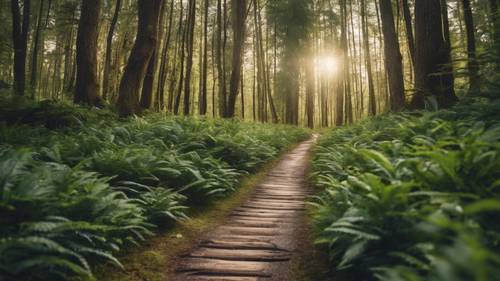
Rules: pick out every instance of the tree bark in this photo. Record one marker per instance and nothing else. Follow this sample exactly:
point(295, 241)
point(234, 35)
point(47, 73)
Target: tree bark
point(219, 61)
point(239, 19)
point(472, 64)
point(162, 76)
point(36, 50)
point(409, 30)
point(203, 91)
point(109, 43)
point(393, 59)
point(431, 56)
point(87, 85)
point(372, 105)
point(149, 80)
point(135, 71)
point(20, 30)
point(189, 63)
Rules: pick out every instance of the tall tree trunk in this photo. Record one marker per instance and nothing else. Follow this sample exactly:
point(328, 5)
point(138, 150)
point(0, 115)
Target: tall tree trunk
point(178, 50)
point(393, 59)
point(472, 64)
point(20, 30)
point(189, 63)
point(135, 71)
point(149, 80)
point(431, 56)
point(162, 76)
point(447, 66)
point(239, 18)
point(342, 83)
point(204, 72)
point(87, 85)
point(409, 30)
point(182, 52)
point(219, 58)
point(372, 105)
point(109, 43)
point(36, 50)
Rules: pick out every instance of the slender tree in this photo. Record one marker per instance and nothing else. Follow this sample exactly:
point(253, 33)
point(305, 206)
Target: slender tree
point(410, 38)
point(189, 62)
point(87, 85)
point(109, 42)
point(472, 64)
point(36, 49)
point(219, 60)
point(135, 71)
point(204, 72)
point(372, 106)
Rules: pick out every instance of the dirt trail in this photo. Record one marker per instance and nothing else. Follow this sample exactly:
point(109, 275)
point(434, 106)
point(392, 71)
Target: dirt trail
point(259, 239)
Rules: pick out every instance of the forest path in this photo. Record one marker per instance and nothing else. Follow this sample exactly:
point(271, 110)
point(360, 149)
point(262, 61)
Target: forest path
point(261, 238)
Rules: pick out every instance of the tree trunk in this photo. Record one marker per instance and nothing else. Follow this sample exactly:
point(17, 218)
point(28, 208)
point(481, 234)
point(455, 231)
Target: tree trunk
point(340, 109)
point(472, 64)
point(109, 42)
point(36, 50)
point(87, 85)
point(204, 72)
point(219, 58)
point(431, 56)
point(135, 71)
point(189, 63)
point(165, 61)
point(372, 105)
point(20, 32)
point(182, 52)
point(149, 80)
point(409, 30)
point(394, 66)
point(239, 18)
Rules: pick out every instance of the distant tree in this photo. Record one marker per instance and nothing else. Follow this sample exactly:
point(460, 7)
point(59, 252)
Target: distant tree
point(20, 32)
point(87, 85)
point(145, 42)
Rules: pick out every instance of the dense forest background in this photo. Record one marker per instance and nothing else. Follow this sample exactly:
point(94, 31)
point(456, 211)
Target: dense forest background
point(313, 63)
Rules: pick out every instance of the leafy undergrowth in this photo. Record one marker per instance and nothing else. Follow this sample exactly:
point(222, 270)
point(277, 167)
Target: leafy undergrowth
point(413, 196)
point(73, 197)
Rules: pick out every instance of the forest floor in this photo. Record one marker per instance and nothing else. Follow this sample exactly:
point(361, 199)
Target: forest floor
point(261, 232)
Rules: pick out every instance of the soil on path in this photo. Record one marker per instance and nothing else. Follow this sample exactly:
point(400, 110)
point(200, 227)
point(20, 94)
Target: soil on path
point(261, 237)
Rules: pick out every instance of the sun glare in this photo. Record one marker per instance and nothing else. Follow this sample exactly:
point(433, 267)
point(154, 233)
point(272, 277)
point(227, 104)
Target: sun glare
point(327, 64)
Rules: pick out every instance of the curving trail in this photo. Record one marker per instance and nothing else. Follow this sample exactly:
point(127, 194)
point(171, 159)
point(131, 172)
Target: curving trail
point(260, 238)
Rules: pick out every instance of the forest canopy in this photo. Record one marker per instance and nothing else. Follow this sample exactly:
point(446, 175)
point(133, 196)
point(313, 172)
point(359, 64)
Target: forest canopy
point(315, 63)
